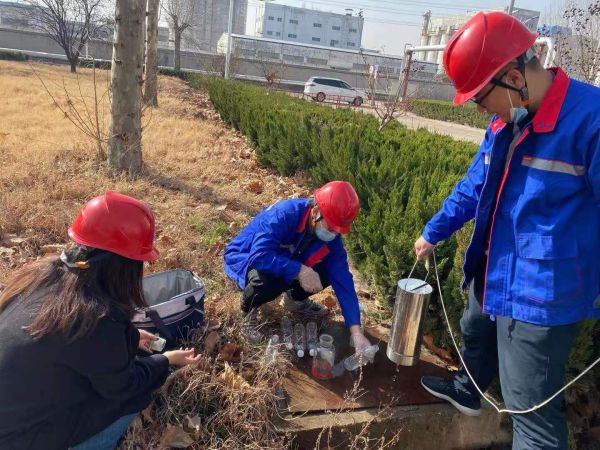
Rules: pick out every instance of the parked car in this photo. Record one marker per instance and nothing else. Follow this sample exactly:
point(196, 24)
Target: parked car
point(321, 89)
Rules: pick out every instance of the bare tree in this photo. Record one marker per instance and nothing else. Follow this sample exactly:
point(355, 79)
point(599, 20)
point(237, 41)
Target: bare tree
point(70, 23)
point(577, 43)
point(151, 79)
point(385, 93)
point(125, 144)
point(273, 72)
point(180, 15)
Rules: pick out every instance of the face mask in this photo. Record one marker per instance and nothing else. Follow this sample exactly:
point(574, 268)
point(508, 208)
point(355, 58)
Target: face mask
point(325, 235)
point(516, 114)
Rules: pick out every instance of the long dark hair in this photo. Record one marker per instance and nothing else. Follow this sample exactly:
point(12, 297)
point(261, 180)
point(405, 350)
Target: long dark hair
point(73, 300)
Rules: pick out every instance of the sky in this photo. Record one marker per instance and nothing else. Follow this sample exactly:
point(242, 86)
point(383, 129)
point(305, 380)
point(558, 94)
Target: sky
point(390, 24)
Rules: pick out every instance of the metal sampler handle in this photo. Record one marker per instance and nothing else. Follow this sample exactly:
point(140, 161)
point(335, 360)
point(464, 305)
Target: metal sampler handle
point(426, 275)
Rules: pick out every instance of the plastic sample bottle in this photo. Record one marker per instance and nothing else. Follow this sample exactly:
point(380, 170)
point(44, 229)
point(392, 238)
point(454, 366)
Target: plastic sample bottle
point(356, 360)
point(286, 331)
point(311, 338)
point(299, 340)
point(272, 349)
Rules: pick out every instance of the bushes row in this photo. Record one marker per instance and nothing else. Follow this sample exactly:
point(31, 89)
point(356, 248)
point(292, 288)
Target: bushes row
point(8, 55)
point(446, 111)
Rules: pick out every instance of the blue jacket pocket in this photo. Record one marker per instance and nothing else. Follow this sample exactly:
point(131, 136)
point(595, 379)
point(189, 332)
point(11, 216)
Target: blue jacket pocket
point(548, 269)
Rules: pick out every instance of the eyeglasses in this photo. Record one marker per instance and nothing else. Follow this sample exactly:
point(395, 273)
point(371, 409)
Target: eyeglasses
point(479, 101)
point(495, 82)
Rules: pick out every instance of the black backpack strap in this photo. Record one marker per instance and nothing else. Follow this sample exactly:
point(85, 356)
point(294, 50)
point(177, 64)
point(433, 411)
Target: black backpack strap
point(159, 325)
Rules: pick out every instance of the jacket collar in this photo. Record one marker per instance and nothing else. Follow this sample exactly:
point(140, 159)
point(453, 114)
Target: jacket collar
point(304, 220)
point(546, 117)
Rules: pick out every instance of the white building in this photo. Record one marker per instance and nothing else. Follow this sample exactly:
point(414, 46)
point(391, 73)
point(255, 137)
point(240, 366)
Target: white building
point(210, 20)
point(308, 26)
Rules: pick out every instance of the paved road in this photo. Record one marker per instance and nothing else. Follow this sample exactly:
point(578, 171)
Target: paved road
point(461, 132)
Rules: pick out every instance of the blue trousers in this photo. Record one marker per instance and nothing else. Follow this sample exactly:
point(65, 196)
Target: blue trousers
point(108, 438)
point(530, 360)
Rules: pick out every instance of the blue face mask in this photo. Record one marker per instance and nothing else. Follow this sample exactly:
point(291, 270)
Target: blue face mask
point(325, 235)
point(516, 114)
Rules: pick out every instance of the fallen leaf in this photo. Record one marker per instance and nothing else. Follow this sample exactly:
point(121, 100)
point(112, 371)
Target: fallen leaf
point(438, 351)
point(330, 302)
point(221, 207)
point(165, 241)
point(248, 374)
point(212, 341)
point(175, 436)
point(216, 249)
point(212, 324)
point(193, 425)
point(364, 293)
point(256, 187)
point(148, 415)
point(231, 353)
point(52, 248)
point(232, 380)
point(5, 251)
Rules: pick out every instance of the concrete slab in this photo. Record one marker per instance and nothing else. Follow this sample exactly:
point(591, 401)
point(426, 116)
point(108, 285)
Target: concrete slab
point(424, 427)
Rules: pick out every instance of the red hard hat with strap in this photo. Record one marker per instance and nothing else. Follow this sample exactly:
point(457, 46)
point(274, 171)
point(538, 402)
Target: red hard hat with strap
point(481, 48)
point(118, 224)
point(339, 204)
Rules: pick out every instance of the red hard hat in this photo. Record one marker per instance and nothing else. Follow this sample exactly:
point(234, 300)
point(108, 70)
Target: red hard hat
point(339, 204)
point(481, 48)
point(116, 223)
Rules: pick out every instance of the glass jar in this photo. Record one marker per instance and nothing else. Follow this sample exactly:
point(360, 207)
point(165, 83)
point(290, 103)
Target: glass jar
point(324, 360)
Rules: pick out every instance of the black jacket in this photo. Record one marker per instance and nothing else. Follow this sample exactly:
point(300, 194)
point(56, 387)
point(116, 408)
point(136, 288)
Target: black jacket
point(55, 394)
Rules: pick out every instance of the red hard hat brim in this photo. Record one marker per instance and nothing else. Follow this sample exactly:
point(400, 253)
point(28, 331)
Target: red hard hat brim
point(341, 229)
point(150, 256)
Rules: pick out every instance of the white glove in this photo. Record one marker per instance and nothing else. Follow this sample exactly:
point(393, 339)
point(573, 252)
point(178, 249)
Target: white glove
point(359, 341)
point(309, 280)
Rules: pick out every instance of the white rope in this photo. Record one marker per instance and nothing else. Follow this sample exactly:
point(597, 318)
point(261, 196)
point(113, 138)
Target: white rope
point(490, 401)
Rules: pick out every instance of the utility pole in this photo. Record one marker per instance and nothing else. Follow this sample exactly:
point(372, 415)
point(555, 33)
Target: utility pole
point(229, 28)
point(511, 7)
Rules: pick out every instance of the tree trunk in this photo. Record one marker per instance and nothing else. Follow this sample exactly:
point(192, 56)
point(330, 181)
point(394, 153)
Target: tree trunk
point(73, 64)
point(151, 83)
point(177, 49)
point(125, 146)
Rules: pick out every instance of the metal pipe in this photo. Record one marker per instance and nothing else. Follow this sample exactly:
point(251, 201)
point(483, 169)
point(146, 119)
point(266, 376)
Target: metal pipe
point(550, 53)
point(229, 29)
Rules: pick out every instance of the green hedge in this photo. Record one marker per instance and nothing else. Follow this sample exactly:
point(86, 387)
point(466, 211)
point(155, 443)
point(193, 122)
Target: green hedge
point(7, 55)
point(446, 111)
point(401, 177)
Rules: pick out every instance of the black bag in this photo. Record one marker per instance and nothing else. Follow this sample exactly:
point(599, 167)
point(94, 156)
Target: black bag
point(176, 306)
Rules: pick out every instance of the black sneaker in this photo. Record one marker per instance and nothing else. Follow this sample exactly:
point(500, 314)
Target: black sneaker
point(461, 399)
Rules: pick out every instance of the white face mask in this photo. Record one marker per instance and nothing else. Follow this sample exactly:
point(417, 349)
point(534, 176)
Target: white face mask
point(516, 114)
point(324, 234)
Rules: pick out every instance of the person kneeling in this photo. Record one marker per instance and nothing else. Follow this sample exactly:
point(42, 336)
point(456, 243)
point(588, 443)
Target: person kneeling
point(294, 247)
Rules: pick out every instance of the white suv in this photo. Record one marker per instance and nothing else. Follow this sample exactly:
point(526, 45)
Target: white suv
point(332, 89)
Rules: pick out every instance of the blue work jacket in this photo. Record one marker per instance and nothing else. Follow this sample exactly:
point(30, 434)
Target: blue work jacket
point(537, 216)
point(270, 243)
